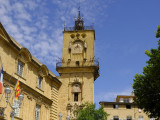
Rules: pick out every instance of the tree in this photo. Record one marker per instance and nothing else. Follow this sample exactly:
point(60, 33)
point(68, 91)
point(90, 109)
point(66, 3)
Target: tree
point(147, 85)
point(88, 112)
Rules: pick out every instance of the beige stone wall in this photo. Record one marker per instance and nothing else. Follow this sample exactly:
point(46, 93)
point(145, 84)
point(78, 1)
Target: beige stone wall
point(54, 107)
point(68, 40)
point(10, 57)
point(27, 110)
point(122, 112)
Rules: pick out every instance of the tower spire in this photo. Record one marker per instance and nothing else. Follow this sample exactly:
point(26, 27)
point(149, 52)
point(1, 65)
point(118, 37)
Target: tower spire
point(79, 23)
point(79, 9)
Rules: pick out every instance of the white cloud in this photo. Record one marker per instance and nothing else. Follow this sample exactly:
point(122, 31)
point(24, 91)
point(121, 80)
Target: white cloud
point(38, 24)
point(110, 96)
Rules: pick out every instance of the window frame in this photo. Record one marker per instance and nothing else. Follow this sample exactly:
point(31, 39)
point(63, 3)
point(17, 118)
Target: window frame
point(76, 97)
point(115, 106)
point(115, 117)
point(37, 112)
point(20, 68)
point(40, 78)
point(129, 118)
point(140, 117)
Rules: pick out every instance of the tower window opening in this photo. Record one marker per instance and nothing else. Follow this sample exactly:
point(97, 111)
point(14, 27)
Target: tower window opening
point(75, 97)
point(77, 63)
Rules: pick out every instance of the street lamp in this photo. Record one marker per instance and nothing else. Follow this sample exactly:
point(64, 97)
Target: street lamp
point(7, 93)
point(7, 96)
point(60, 116)
point(68, 117)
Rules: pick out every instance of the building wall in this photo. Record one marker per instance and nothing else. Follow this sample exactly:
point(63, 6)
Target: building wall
point(123, 107)
point(68, 40)
point(82, 74)
point(54, 96)
point(122, 112)
point(47, 97)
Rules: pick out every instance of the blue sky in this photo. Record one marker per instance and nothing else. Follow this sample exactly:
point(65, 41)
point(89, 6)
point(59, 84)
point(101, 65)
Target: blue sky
point(124, 30)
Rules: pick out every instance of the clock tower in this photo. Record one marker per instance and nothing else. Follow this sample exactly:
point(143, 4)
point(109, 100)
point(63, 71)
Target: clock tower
point(78, 68)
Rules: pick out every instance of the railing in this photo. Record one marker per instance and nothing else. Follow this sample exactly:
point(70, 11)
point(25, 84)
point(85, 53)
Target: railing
point(73, 28)
point(70, 63)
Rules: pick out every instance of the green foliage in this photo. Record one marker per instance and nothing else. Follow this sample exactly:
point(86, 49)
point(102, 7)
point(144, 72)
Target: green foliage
point(90, 113)
point(158, 32)
point(147, 85)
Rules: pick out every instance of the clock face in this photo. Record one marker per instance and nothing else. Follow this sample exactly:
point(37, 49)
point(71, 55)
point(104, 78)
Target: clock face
point(77, 47)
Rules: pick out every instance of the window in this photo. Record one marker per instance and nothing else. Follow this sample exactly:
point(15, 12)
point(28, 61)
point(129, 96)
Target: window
point(76, 92)
point(76, 97)
point(152, 118)
point(17, 107)
point(115, 106)
point(115, 118)
point(131, 100)
point(121, 99)
point(129, 117)
point(77, 63)
point(126, 100)
point(140, 118)
point(37, 112)
point(40, 82)
point(128, 106)
point(20, 66)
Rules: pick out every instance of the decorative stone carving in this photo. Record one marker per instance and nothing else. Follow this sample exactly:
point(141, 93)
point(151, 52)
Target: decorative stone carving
point(77, 35)
point(46, 106)
point(4, 84)
point(76, 79)
point(85, 45)
point(72, 109)
point(29, 97)
point(70, 45)
point(76, 88)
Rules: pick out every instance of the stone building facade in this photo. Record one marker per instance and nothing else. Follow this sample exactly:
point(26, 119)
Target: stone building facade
point(38, 85)
point(124, 108)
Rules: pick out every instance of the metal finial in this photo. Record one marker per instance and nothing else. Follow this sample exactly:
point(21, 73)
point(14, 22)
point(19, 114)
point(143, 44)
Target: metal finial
point(79, 10)
point(79, 5)
point(64, 23)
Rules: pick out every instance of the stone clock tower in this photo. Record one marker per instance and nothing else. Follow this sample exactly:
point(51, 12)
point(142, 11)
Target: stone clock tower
point(78, 68)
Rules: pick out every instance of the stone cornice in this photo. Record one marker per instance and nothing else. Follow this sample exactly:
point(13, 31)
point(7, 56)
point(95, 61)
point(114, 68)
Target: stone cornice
point(84, 69)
